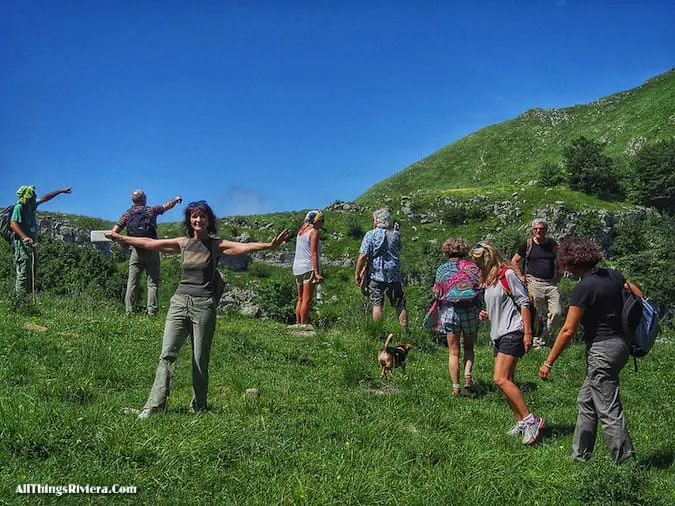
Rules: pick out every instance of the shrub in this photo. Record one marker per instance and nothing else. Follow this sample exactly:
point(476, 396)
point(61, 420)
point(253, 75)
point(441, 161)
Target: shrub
point(260, 270)
point(65, 269)
point(652, 174)
point(354, 228)
point(550, 175)
point(590, 170)
point(277, 300)
point(509, 239)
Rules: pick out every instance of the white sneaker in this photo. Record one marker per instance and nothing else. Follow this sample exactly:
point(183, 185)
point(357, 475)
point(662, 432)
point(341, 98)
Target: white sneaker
point(144, 414)
point(532, 430)
point(516, 430)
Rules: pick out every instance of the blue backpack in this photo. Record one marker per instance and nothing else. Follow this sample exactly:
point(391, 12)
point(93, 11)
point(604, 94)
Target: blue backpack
point(640, 322)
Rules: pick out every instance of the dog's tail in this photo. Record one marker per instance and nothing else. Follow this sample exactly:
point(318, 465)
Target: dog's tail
point(388, 340)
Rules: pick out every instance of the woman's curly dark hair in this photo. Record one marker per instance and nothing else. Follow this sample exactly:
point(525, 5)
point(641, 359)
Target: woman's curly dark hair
point(206, 209)
point(578, 253)
point(455, 247)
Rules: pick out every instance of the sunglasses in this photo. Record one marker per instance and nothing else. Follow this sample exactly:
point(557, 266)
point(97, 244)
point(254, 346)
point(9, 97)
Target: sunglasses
point(197, 203)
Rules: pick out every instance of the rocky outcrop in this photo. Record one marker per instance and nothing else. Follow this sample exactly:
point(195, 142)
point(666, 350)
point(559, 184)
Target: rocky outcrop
point(240, 300)
point(62, 231)
point(338, 205)
point(284, 258)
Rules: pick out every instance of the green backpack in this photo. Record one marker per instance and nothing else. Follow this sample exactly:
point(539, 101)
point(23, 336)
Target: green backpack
point(5, 221)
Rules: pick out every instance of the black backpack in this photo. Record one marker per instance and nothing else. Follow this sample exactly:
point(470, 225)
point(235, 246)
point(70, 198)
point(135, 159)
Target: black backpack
point(5, 221)
point(140, 224)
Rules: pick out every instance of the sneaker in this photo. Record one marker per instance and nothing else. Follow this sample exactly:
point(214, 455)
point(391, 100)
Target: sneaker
point(468, 383)
point(144, 414)
point(532, 430)
point(516, 430)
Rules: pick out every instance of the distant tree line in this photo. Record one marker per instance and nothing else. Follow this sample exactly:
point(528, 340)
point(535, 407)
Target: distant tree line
point(648, 179)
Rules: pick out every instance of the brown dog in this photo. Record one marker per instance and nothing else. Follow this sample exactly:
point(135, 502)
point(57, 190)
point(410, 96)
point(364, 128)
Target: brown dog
point(391, 357)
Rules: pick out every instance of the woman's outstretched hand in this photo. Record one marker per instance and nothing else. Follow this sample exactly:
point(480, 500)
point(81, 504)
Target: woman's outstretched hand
point(281, 237)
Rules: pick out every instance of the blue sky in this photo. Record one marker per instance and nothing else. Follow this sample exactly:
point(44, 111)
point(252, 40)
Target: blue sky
point(262, 106)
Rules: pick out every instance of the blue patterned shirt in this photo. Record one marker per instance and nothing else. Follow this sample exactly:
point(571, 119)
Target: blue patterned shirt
point(383, 246)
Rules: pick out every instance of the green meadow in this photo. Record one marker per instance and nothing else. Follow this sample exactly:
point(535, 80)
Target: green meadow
point(325, 429)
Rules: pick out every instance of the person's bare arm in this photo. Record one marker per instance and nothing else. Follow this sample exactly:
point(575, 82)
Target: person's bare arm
point(359, 265)
point(171, 203)
point(515, 264)
point(49, 196)
point(314, 254)
point(633, 288)
point(565, 336)
point(163, 245)
point(234, 248)
point(527, 327)
point(16, 228)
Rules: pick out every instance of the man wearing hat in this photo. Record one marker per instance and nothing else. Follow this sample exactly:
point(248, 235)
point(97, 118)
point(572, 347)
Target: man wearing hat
point(140, 220)
point(24, 225)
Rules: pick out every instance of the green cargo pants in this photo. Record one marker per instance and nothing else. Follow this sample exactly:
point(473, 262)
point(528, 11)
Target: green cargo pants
point(139, 261)
point(196, 317)
point(25, 260)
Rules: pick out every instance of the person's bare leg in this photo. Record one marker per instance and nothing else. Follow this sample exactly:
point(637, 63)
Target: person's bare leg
point(503, 378)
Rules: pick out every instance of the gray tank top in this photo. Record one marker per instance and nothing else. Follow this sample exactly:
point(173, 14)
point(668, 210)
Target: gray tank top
point(198, 264)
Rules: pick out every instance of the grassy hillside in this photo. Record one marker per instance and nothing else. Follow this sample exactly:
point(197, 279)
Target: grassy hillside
point(513, 151)
point(324, 429)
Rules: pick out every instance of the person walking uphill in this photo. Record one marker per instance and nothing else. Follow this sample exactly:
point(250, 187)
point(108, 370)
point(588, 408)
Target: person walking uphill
point(192, 310)
point(455, 308)
point(596, 302)
point(380, 248)
point(140, 220)
point(306, 267)
point(508, 308)
point(541, 276)
point(24, 225)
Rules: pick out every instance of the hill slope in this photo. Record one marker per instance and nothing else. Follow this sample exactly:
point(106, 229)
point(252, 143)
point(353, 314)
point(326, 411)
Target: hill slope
point(515, 150)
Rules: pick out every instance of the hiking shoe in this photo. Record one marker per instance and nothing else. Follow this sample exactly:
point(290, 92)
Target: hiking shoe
point(516, 430)
point(468, 383)
point(145, 414)
point(532, 430)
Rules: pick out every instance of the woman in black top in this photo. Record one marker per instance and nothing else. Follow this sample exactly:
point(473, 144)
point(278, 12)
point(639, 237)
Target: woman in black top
point(596, 302)
point(192, 310)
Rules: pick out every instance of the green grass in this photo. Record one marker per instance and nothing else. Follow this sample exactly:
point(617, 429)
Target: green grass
point(321, 431)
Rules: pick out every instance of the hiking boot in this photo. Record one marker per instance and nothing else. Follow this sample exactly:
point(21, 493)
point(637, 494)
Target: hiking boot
point(532, 430)
point(516, 430)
